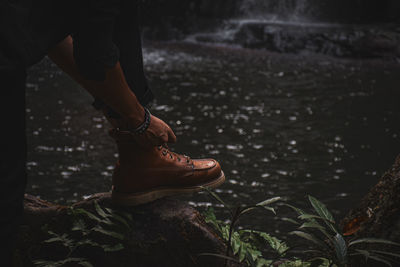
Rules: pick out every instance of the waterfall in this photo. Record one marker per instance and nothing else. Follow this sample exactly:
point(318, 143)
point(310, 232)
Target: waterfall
point(254, 15)
point(287, 10)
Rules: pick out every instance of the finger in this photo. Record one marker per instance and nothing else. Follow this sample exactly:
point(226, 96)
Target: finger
point(152, 140)
point(164, 138)
point(157, 142)
point(171, 136)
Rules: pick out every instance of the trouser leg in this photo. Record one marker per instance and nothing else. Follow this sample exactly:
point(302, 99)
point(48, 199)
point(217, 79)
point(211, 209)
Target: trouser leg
point(128, 40)
point(12, 167)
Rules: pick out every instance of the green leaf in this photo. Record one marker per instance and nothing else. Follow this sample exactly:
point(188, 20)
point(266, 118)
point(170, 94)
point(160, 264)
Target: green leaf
point(290, 220)
point(321, 209)
point(67, 242)
point(340, 248)
point(268, 201)
point(209, 217)
point(43, 263)
point(225, 232)
point(88, 214)
point(302, 214)
point(297, 210)
point(247, 209)
point(113, 248)
point(309, 237)
point(54, 239)
point(209, 214)
point(100, 211)
point(362, 252)
point(321, 262)
point(219, 256)
point(375, 257)
point(235, 244)
point(261, 262)
point(74, 260)
point(251, 256)
point(314, 224)
point(311, 224)
point(79, 225)
point(127, 215)
point(270, 209)
point(242, 252)
point(121, 219)
point(108, 233)
point(79, 261)
point(373, 240)
point(254, 253)
point(276, 244)
point(85, 264)
point(312, 216)
point(386, 253)
point(380, 260)
point(52, 233)
point(88, 242)
point(111, 211)
point(214, 195)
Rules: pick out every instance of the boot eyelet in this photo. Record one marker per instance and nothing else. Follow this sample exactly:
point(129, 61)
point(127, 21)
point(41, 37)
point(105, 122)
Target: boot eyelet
point(164, 152)
point(171, 156)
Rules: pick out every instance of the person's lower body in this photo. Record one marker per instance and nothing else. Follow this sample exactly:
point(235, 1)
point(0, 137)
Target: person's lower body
point(142, 174)
point(12, 167)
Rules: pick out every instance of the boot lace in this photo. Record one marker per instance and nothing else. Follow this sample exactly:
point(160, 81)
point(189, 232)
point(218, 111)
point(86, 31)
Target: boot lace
point(167, 152)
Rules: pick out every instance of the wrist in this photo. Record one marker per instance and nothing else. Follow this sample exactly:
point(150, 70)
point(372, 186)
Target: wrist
point(144, 123)
point(136, 119)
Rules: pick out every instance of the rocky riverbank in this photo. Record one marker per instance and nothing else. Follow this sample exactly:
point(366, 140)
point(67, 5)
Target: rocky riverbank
point(335, 28)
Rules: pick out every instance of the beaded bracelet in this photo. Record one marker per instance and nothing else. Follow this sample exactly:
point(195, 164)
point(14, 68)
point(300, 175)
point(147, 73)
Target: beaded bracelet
point(143, 127)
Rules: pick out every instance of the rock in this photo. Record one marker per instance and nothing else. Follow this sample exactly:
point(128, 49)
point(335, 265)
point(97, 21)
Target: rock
point(378, 45)
point(165, 232)
point(328, 39)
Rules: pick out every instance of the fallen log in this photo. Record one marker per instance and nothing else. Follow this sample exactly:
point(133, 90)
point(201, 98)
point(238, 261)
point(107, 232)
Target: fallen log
point(378, 214)
point(94, 232)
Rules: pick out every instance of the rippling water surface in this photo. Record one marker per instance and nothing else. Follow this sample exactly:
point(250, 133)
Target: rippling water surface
point(280, 125)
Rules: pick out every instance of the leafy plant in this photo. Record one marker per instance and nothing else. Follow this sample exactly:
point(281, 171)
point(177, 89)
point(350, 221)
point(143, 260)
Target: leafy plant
point(248, 245)
point(328, 241)
point(329, 246)
point(106, 222)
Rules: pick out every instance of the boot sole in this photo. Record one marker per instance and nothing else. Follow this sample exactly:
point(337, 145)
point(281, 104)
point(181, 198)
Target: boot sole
point(134, 199)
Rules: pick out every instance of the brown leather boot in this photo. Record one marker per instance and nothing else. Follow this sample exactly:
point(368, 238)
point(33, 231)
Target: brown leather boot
point(145, 174)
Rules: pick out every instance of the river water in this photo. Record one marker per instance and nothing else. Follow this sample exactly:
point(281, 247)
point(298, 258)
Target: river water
point(280, 125)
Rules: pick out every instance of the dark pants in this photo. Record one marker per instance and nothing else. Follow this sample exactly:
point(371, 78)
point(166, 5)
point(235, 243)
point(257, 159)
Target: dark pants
point(13, 140)
point(12, 168)
point(127, 38)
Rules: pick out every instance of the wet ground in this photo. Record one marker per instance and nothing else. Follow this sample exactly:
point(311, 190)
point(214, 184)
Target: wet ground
point(280, 125)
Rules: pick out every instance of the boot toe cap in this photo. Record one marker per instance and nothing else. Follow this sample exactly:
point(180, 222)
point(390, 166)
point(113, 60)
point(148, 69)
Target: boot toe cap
point(208, 168)
point(205, 164)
